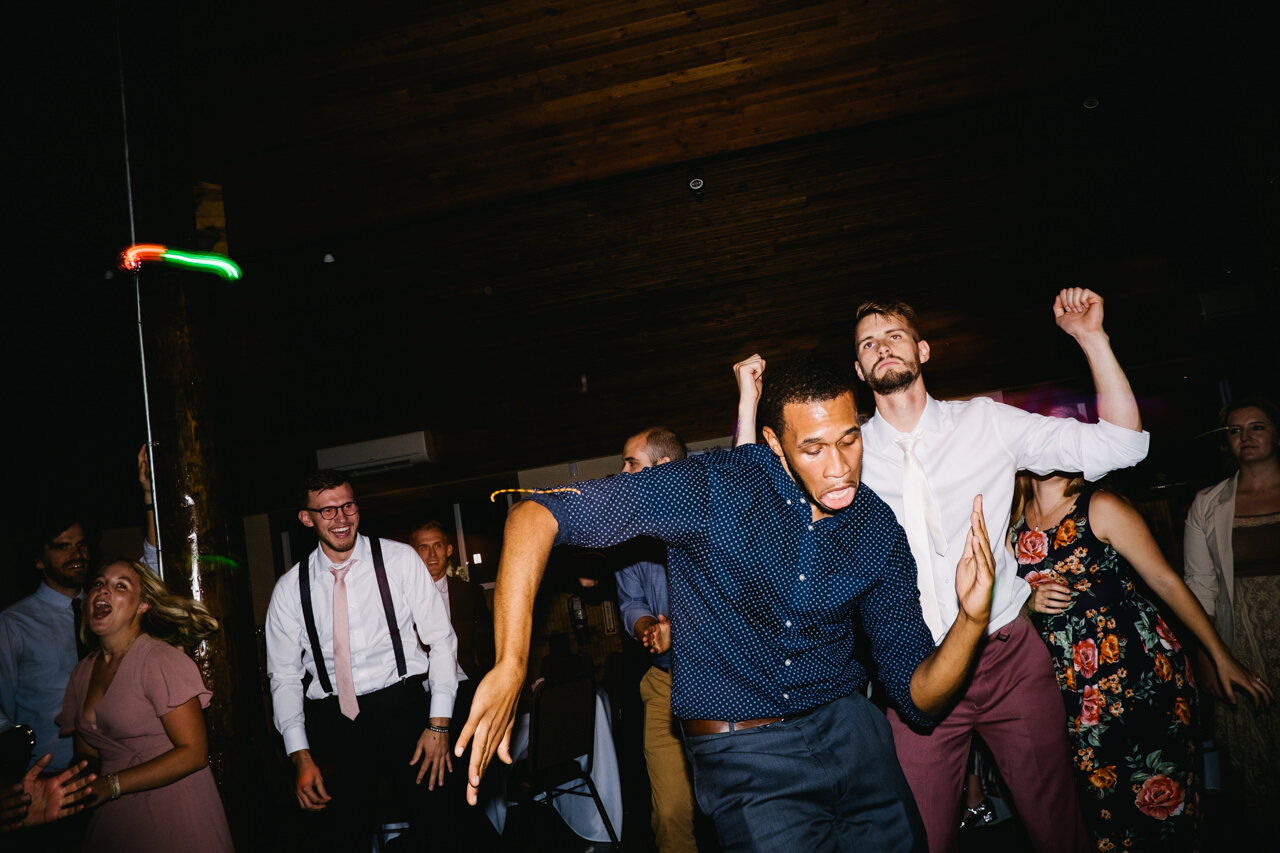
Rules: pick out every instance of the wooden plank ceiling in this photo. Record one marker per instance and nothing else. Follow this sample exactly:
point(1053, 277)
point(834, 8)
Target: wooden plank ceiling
point(521, 269)
point(394, 108)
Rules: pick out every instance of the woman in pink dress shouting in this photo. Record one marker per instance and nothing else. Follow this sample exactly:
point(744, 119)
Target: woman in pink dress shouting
point(136, 704)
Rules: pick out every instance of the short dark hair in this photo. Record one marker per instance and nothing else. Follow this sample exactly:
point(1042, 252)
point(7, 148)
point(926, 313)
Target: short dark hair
point(51, 521)
point(800, 380)
point(662, 441)
point(432, 524)
point(895, 308)
point(319, 481)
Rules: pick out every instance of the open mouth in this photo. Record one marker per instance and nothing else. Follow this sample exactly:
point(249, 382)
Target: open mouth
point(839, 498)
point(100, 609)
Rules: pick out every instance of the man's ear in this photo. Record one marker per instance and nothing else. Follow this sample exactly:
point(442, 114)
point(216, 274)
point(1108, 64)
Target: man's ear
point(857, 368)
point(448, 550)
point(922, 349)
point(771, 438)
point(305, 518)
point(663, 461)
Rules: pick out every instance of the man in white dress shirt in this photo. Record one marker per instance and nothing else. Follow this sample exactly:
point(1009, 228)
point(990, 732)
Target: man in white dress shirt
point(959, 448)
point(365, 713)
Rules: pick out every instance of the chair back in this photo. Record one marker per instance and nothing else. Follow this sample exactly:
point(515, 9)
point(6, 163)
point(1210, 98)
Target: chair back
point(561, 728)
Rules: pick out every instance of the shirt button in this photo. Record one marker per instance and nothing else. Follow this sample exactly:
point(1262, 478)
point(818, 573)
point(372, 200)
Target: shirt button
point(786, 695)
point(802, 577)
point(788, 623)
point(787, 662)
point(810, 526)
point(788, 502)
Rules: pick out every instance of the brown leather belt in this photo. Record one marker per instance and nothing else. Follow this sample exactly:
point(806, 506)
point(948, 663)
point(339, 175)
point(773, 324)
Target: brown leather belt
point(698, 728)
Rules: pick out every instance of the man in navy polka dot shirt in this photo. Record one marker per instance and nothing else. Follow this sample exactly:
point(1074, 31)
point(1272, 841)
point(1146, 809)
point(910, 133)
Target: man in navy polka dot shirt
point(958, 447)
point(776, 556)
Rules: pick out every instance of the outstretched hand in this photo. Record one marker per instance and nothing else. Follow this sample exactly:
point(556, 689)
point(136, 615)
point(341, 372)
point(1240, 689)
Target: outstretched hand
point(35, 799)
point(493, 712)
point(976, 571)
point(1078, 311)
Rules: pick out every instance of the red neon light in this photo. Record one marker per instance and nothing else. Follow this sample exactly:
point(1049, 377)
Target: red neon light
point(131, 258)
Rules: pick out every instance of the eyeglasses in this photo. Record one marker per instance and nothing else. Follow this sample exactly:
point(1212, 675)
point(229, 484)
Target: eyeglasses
point(349, 508)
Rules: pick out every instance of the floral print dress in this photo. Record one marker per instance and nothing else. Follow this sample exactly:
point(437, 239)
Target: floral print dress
point(1130, 699)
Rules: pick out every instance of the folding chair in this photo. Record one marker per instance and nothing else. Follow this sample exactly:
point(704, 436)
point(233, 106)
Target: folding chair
point(561, 730)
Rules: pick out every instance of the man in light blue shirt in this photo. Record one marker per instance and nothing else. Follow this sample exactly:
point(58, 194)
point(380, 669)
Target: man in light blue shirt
point(642, 599)
point(38, 643)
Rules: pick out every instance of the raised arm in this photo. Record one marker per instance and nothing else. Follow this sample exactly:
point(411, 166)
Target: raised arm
point(1120, 526)
point(144, 480)
point(941, 675)
point(1078, 312)
point(526, 544)
point(749, 373)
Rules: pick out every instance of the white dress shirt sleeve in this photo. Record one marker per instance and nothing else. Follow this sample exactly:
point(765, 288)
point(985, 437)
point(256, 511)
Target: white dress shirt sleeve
point(431, 620)
point(1043, 445)
point(284, 632)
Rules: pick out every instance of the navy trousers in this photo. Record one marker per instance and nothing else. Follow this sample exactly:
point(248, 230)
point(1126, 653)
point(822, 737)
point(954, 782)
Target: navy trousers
point(827, 781)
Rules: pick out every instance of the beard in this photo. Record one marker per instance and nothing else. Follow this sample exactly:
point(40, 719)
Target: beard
point(892, 381)
point(336, 546)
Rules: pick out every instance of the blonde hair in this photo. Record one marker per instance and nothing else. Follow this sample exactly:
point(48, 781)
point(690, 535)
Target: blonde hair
point(176, 620)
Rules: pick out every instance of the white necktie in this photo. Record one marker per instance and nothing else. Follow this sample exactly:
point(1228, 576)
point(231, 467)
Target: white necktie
point(922, 523)
point(342, 646)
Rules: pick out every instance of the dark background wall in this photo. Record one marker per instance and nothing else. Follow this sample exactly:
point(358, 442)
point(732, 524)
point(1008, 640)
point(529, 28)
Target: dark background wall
point(503, 187)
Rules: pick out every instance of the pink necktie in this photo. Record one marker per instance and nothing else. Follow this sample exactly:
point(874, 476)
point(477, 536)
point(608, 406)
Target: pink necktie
point(342, 646)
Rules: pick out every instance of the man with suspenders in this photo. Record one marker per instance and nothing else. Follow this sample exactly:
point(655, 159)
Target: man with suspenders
point(366, 722)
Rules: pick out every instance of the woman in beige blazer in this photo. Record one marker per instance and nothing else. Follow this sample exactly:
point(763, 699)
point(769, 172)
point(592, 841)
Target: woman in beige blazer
point(1232, 554)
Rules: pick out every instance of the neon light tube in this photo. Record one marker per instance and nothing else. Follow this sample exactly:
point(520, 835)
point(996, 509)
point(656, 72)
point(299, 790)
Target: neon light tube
point(131, 260)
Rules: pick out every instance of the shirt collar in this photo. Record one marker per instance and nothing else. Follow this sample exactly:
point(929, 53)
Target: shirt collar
point(778, 476)
point(931, 421)
point(52, 597)
point(320, 563)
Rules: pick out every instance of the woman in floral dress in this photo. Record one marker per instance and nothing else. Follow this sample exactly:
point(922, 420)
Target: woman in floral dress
point(1130, 699)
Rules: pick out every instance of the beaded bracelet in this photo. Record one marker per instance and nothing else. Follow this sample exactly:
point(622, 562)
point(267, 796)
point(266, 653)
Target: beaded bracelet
point(115, 785)
point(440, 730)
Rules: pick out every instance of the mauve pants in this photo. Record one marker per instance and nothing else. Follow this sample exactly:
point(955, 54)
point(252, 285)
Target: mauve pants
point(1014, 703)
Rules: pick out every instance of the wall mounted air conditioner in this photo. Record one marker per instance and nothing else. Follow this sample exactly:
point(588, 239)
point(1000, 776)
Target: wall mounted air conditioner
point(380, 454)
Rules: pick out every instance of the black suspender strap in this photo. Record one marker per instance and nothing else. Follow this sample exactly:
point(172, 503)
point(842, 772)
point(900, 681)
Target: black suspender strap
point(380, 569)
point(309, 617)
